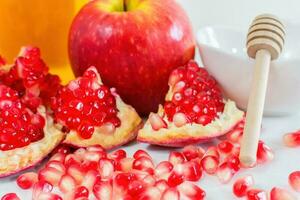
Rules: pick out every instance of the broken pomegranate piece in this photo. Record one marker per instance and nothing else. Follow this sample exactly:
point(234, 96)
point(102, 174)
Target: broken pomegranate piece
point(194, 111)
point(93, 114)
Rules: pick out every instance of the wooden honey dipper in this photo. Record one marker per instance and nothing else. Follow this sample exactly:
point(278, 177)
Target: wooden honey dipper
point(265, 41)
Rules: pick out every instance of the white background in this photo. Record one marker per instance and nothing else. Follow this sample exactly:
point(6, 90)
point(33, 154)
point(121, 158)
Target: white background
point(237, 13)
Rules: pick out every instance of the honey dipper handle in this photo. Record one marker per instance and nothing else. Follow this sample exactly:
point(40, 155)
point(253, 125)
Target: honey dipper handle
point(255, 108)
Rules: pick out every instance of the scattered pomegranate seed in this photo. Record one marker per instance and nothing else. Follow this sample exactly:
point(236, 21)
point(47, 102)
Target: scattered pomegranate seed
point(157, 122)
point(40, 187)
point(106, 168)
point(81, 191)
point(76, 172)
point(281, 194)
point(225, 147)
point(10, 196)
point(103, 190)
point(149, 180)
point(50, 175)
point(191, 191)
point(90, 179)
point(163, 169)
point(210, 164)
point(57, 165)
point(212, 151)
point(292, 139)
point(264, 153)
point(225, 173)
point(192, 171)
point(62, 149)
point(176, 158)
point(294, 180)
point(235, 135)
point(48, 196)
point(162, 185)
point(191, 152)
point(135, 188)
point(150, 193)
point(118, 154)
point(256, 194)
point(125, 164)
point(176, 177)
point(241, 186)
point(143, 164)
point(27, 180)
point(171, 193)
point(141, 153)
point(60, 157)
point(67, 184)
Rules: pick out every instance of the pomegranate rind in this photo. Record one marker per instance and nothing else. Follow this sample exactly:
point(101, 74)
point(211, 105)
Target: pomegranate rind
point(191, 133)
point(130, 124)
point(19, 159)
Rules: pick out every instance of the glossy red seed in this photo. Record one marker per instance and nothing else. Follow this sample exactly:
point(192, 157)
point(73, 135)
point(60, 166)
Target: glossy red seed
point(210, 164)
point(123, 179)
point(292, 139)
point(162, 185)
point(176, 158)
point(141, 153)
point(150, 193)
point(171, 193)
point(256, 194)
point(281, 194)
point(103, 190)
point(81, 191)
point(264, 153)
point(191, 191)
point(135, 188)
point(225, 173)
point(106, 168)
point(176, 177)
point(191, 152)
point(118, 154)
point(225, 147)
point(157, 122)
point(67, 184)
point(242, 185)
point(294, 180)
point(143, 164)
point(50, 175)
point(212, 151)
point(192, 171)
point(163, 169)
point(10, 196)
point(27, 180)
point(40, 187)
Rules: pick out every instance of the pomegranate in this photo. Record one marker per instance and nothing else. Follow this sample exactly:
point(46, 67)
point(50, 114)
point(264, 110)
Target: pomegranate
point(93, 114)
point(194, 111)
point(27, 130)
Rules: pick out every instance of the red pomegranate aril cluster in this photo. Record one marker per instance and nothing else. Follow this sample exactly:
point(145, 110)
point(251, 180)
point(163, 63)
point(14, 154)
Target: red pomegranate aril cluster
point(196, 95)
point(19, 126)
point(85, 104)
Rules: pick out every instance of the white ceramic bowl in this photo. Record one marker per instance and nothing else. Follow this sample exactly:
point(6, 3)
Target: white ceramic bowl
point(223, 53)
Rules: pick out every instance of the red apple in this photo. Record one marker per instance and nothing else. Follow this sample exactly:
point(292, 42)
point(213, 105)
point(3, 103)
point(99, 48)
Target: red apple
point(134, 44)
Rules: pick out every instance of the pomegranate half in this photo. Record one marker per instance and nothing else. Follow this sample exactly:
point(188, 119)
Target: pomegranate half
point(27, 131)
point(93, 114)
point(194, 111)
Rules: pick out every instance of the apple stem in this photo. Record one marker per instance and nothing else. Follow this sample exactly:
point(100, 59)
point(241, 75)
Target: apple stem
point(124, 5)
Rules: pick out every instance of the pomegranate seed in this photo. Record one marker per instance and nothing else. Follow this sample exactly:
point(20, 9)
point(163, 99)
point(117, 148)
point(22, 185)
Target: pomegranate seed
point(141, 153)
point(67, 184)
point(225, 147)
point(90, 179)
point(81, 192)
point(264, 153)
point(48, 196)
point(292, 139)
point(191, 152)
point(150, 193)
point(50, 175)
point(281, 194)
point(171, 193)
point(210, 164)
point(72, 159)
point(125, 164)
point(176, 177)
point(212, 151)
point(103, 190)
point(192, 171)
point(27, 180)
point(60, 157)
point(123, 179)
point(163, 169)
point(191, 191)
point(76, 172)
point(10, 196)
point(143, 164)
point(106, 168)
point(118, 154)
point(93, 156)
point(241, 186)
point(179, 119)
point(149, 180)
point(96, 148)
point(294, 180)
point(162, 185)
point(64, 149)
point(135, 188)
point(157, 122)
point(256, 194)
point(56, 165)
point(233, 162)
point(39, 187)
point(176, 158)
point(225, 173)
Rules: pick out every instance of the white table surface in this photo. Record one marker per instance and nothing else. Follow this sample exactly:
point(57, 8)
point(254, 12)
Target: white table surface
point(237, 13)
